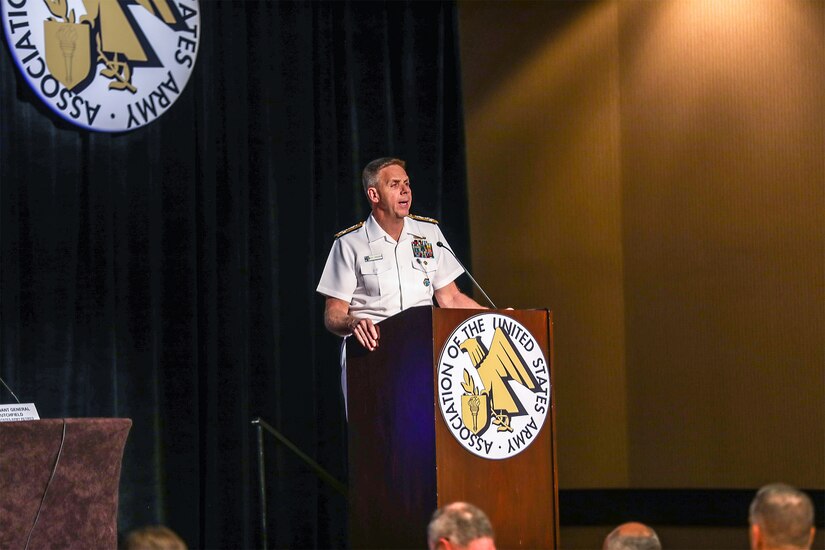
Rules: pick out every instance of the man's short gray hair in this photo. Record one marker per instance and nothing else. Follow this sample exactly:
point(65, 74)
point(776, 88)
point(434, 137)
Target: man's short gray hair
point(784, 514)
point(642, 537)
point(460, 523)
point(369, 178)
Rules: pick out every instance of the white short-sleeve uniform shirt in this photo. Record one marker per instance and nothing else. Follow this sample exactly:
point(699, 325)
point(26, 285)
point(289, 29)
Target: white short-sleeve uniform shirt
point(380, 277)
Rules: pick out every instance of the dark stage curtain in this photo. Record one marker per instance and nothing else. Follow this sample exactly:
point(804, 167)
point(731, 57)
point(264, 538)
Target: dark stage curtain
point(168, 275)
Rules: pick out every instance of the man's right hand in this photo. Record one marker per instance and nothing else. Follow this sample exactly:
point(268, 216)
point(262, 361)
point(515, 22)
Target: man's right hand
point(365, 331)
point(338, 321)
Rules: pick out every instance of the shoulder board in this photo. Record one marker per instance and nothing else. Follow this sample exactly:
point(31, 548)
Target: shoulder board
point(349, 230)
point(423, 219)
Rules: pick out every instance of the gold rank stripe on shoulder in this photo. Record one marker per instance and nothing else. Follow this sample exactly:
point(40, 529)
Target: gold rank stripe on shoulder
point(349, 230)
point(423, 219)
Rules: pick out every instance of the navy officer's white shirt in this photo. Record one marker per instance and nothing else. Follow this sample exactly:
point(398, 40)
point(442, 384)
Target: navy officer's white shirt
point(379, 277)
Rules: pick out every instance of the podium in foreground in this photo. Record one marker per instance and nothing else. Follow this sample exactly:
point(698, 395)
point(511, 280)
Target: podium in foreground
point(453, 405)
point(79, 510)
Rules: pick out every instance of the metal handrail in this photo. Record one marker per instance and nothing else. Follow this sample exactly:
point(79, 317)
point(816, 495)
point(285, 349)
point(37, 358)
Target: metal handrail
point(262, 425)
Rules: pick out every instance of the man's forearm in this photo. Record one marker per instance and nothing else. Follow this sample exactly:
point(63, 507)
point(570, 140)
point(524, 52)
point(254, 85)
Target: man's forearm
point(339, 322)
point(462, 301)
point(450, 296)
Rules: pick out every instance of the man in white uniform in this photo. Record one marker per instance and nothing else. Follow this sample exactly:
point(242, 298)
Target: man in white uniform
point(388, 263)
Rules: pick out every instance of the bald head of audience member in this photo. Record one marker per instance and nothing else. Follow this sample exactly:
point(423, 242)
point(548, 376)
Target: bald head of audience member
point(153, 537)
point(632, 536)
point(460, 526)
point(781, 517)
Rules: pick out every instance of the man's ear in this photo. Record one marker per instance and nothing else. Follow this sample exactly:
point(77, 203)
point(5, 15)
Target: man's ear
point(443, 544)
point(372, 195)
point(755, 536)
point(811, 540)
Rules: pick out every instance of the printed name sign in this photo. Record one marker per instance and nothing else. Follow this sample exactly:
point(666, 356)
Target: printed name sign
point(18, 412)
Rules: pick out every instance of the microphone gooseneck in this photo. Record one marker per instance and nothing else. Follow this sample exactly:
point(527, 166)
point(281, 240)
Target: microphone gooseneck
point(8, 388)
point(467, 271)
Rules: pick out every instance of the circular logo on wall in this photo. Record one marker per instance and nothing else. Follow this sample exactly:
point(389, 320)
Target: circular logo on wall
point(105, 65)
point(493, 386)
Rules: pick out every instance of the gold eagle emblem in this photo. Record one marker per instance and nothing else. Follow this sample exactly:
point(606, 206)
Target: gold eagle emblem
point(498, 368)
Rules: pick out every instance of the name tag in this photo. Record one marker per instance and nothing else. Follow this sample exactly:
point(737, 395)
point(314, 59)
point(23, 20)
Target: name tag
point(18, 412)
point(374, 258)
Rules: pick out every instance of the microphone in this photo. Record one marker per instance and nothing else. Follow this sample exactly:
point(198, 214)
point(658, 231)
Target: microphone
point(8, 388)
point(467, 271)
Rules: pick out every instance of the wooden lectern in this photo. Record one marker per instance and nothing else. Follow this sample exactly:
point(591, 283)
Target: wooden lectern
point(403, 460)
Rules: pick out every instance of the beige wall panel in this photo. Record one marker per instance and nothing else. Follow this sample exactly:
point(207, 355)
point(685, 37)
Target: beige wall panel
point(542, 134)
point(654, 172)
point(723, 136)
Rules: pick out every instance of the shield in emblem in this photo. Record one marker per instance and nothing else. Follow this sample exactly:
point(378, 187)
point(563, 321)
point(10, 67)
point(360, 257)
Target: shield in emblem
point(475, 412)
point(68, 51)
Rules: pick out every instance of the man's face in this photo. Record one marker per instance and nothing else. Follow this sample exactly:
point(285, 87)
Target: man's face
point(483, 543)
point(392, 196)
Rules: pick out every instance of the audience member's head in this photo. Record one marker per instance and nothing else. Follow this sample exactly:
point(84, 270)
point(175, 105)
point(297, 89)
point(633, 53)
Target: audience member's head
point(781, 517)
point(153, 537)
point(632, 536)
point(460, 526)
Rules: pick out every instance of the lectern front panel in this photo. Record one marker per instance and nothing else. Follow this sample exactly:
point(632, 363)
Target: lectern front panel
point(518, 493)
point(405, 461)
